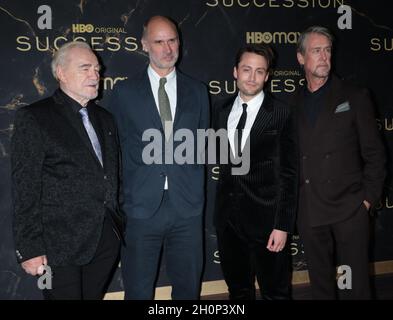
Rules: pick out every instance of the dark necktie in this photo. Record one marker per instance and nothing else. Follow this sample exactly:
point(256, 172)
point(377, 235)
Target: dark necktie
point(165, 108)
point(91, 133)
point(239, 130)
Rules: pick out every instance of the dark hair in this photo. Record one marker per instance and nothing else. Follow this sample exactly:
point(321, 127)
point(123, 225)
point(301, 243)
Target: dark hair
point(263, 50)
point(314, 29)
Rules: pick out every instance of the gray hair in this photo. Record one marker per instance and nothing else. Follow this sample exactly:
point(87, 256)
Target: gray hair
point(60, 56)
point(314, 29)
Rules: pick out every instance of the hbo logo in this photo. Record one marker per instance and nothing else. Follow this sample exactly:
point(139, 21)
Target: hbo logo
point(81, 28)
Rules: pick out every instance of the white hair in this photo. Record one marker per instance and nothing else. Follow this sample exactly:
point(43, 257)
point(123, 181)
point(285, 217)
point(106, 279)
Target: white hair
point(60, 56)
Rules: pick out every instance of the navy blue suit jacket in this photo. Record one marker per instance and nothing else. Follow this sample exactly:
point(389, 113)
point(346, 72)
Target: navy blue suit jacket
point(136, 113)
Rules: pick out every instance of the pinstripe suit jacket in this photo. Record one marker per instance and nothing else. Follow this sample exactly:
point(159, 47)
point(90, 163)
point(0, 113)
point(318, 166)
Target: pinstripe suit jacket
point(265, 198)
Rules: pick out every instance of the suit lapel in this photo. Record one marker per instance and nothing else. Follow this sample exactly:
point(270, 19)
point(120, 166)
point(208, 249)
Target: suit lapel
point(308, 132)
point(77, 126)
point(334, 94)
point(181, 96)
point(263, 118)
point(327, 112)
point(147, 98)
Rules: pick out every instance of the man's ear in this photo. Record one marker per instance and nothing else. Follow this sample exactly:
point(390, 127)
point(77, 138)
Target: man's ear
point(60, 74)
point(300, 58)
point(235, 72)
point(144, 48)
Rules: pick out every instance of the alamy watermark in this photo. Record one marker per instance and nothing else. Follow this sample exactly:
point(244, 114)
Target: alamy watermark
point(183, 147)
point(45, 280)
point(344, 280)
point(45, 20)
point(345, 20)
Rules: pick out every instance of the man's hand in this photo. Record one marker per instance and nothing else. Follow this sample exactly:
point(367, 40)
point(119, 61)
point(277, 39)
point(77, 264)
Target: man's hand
point(34, 266)
point(367, 204)
point(277, 240)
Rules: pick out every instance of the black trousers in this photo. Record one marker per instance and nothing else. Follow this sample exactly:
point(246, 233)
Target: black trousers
point(87, 282)
point(344, 243)
point(243, 259)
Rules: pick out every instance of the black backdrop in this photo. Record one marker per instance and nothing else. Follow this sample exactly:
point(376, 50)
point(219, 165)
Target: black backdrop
point(212, 31)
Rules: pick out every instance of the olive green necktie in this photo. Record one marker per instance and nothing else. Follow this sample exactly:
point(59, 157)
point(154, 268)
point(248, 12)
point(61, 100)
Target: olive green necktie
point(165, 108)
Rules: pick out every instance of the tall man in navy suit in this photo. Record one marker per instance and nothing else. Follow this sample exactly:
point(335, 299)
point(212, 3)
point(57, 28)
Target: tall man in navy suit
point(163, 199)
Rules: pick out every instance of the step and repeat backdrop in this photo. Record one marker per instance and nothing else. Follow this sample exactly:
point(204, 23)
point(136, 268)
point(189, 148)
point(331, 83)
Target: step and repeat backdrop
point(211, 33)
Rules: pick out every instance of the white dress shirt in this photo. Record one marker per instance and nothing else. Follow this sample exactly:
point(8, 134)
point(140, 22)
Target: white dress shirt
point(170, 88)
point(234, 116)
point(171, 91)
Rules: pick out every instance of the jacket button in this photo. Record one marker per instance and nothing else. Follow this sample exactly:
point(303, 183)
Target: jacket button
point(304, 157)
point(105, 177)
point(307, 181)
point(162, 174)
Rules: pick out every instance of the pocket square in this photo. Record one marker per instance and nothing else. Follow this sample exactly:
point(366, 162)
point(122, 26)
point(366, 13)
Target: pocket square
point(342, 107)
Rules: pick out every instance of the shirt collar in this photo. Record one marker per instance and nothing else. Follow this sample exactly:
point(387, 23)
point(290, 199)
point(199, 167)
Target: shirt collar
point(254, 102)
point(154, 75)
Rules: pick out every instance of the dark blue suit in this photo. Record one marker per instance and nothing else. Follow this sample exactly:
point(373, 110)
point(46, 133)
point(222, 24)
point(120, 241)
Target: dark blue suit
point(172, 218)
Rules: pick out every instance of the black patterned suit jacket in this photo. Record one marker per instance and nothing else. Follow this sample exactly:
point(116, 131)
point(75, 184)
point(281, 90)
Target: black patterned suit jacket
point(60, 190)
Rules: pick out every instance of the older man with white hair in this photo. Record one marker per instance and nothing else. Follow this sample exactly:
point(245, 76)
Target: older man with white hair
point(65, 182)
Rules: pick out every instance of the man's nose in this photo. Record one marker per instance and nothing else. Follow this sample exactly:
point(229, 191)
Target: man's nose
point(94, 74)
point(167, 47)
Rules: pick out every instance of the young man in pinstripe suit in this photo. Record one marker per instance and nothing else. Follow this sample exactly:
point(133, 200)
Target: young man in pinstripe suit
point(255, 211)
